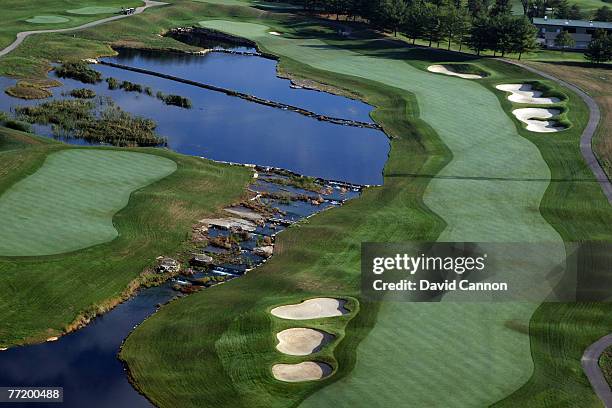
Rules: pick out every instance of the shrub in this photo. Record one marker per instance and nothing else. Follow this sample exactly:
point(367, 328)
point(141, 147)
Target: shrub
point(130, 87)
point(18, 125)
point(112, 83)
point(79, 70)
point(175, 100)
point(83, 93)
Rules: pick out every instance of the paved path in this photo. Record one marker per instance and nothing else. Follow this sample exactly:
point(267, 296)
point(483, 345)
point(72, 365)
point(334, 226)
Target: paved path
point(586, 140)
point(590, 365)
point(23, 35)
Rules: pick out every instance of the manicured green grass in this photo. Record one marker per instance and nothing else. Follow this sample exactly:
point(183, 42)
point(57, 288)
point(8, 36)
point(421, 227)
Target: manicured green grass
point(41, 296)
point(95, 10)
point(69, 203)
point(403, 350)
point(15, 14)
point(561, 332)
point(590, 5)
point(47, 19)
point(487, 193)
point(322, 256)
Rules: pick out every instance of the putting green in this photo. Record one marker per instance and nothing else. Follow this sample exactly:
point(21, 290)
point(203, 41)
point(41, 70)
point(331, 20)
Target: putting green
point(95, 10)
point(69, 203)
point(47, 19)
point(444, 354)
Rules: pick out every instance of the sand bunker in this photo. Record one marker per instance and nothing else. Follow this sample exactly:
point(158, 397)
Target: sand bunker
point(311, 309)
point(300, 341)
point(47, 20)
point(54, 338)
point(306, 371)
point(530, 117)
point(274, 33)
point(524, 93)
point(441, 69)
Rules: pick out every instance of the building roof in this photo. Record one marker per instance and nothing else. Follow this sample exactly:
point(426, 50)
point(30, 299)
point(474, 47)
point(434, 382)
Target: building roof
point(572, 23)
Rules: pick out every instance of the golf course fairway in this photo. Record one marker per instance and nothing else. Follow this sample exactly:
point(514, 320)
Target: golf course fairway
point(461, 168)
point(69, 203)
point(489, 192)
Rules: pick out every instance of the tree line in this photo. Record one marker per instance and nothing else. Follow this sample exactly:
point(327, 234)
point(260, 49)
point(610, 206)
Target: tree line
point(479, 24)
point(482, 25)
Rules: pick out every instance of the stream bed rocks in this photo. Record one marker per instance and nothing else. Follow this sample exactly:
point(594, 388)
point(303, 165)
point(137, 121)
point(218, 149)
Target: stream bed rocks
point(242, 238)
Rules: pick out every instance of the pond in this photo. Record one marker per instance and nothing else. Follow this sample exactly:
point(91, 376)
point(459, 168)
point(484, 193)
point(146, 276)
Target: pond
point(244, 73)
point(226, 128)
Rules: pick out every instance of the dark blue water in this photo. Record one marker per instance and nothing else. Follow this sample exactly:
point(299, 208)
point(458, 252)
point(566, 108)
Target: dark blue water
point(225, 128)
point(85, 362)
point(253, 75)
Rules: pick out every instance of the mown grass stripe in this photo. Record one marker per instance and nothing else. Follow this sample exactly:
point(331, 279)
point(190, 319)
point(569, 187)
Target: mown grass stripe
point(69, 203)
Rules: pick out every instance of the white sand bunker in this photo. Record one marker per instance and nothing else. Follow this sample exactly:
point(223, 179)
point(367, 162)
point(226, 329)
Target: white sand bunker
point(441, 69)
point(312, 309)
point(524, 93)
point(301, 341)
point(306, 371)
point(274, 33)
point(530, 117)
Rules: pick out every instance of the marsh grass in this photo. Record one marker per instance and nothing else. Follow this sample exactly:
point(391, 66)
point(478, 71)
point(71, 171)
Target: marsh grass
point(79, 70)
point(83, 93)
point(28, 90)
point(97, 121)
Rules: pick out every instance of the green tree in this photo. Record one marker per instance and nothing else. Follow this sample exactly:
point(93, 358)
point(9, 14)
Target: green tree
point(562, 10)
point(599, 49)
point(564, 40)
point(395, 14)
point(390, 14)
point(503, 32)
point(414, 24)
point(432, 26)
point(312, 5)
point(478, 36)
point(575, 12)
point(603, 14)
point(523, 37)
point(462, 27)
point(478, 8)
point(336, 7)
point(454, 22)
point(501, 7)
